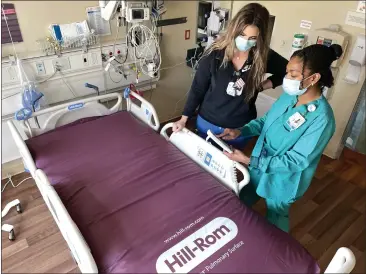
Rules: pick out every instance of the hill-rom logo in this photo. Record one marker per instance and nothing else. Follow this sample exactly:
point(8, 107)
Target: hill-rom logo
point(197, 247)
point(75, 106)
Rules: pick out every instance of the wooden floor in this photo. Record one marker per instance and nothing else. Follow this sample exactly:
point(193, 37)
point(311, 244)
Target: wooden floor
point(329, 216)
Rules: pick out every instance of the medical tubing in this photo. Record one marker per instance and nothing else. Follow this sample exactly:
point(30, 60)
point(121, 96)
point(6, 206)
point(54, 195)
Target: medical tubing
point(63, 79)
point(34, 103)
point(143, 47)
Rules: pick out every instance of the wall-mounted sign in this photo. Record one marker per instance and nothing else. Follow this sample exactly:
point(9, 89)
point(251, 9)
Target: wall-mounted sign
point(305, 24)
point(355, 19)
point(9, 19)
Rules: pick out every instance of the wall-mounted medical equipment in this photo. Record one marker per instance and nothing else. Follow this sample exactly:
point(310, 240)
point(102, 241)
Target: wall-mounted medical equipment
point(56, 43)
point(298, 42)
point(211, 21)
point(142, 44)
point(204, 9)
point(357, 60)
point(215, 24)
point(137, 12)
point(132, 12)
point(331, 35)
point(109, 9)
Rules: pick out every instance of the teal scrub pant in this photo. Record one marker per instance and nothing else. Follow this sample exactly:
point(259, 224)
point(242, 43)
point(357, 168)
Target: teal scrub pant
point(277, 211)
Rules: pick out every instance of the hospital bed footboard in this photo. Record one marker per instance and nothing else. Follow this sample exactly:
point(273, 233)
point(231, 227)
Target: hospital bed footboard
point(208, 157)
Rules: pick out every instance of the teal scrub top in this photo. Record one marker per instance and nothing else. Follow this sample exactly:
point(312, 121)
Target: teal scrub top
point(283, 162)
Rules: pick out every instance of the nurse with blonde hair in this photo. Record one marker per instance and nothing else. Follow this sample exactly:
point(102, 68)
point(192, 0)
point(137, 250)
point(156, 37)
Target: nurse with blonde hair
point(231, 74)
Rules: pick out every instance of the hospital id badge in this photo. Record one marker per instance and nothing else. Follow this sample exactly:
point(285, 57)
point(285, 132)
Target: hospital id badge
point(295, 121)
point(230, 90)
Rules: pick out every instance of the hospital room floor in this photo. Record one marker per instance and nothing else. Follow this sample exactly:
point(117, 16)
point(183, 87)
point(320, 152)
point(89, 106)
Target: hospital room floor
point(330, 215)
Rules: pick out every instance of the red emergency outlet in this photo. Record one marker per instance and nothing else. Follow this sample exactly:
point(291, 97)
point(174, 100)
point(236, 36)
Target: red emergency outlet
point(187, 34)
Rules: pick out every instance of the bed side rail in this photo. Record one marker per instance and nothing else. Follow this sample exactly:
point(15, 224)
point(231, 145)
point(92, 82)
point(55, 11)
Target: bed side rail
point(69, 112)
point(23, 149)
point(343, 261)
point(208, 157)
point(145, 112)
point(79, 248)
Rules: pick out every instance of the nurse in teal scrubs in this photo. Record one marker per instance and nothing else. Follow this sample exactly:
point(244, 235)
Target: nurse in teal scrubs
point(292, 135)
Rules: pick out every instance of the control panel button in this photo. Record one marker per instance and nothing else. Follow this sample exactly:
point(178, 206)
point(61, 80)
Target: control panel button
point(208, 158)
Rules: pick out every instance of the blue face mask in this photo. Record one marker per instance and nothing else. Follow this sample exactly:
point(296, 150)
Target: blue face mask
point(244, 44)
point(292, 87)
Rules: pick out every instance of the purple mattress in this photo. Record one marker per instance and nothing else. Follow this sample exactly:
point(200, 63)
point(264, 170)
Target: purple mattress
point(144, 207)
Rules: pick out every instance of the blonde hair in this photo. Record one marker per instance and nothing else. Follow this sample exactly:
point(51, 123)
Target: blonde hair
point(251, 14)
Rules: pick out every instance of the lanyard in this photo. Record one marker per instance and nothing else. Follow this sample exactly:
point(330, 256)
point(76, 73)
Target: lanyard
point(239, 74)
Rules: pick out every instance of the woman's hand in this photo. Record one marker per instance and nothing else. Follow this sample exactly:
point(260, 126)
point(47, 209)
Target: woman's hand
point(179, 125)
point(266, 84)
point(238, 156)
point(229, 134)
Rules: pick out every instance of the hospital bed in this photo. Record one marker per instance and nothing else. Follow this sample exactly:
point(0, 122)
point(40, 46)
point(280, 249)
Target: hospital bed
point(129, 200)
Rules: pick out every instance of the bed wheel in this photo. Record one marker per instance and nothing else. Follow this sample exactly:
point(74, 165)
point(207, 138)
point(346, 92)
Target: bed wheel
point(19, 208)
point(12, 235)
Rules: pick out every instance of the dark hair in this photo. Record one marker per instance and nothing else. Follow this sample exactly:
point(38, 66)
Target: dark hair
point(251, 14)
point(318, 59)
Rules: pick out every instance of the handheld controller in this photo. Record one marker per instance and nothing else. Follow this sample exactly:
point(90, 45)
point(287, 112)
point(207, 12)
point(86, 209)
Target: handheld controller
point(218, 141)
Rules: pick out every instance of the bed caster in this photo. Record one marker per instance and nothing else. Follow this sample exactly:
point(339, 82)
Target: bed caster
point(6, 227)
point(10, 230)
point(19, 208)
point(12, 235)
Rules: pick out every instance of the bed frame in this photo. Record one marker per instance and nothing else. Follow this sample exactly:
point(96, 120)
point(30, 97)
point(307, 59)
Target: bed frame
point(208, 157)
point(203, 153)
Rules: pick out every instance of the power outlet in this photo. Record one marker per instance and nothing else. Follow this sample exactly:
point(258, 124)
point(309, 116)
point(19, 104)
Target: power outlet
point(85, 60)
point(63, 63)
point(119, 51)
point(94, 58)
point(40, 68)
point(12, 73)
